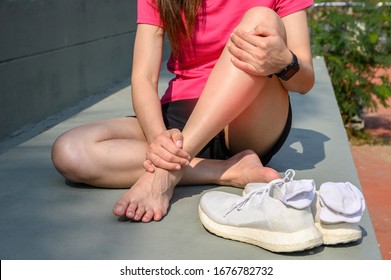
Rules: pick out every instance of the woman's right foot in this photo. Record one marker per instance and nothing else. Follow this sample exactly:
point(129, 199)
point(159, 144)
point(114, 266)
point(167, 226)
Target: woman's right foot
point(148, 199)
point(246, 167)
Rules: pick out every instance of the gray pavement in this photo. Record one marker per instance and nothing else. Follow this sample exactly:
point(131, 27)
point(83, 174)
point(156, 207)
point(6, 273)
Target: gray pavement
point(44, 217)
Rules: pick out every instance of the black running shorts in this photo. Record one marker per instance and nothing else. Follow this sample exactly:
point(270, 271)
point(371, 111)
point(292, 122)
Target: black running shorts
point(176, 114)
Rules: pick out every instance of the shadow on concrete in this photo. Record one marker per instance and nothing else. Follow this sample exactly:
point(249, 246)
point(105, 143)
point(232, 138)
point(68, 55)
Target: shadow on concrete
point(303, 149)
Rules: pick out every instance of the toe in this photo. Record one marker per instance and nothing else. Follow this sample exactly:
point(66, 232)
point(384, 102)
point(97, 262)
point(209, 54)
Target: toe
point(119, 208)
point(270, 174)
point(148, 216)
point(159, 214)
point(131, 210)
point(139, 213)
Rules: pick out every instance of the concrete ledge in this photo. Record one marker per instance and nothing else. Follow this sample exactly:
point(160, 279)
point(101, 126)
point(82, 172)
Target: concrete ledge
point(44, 217)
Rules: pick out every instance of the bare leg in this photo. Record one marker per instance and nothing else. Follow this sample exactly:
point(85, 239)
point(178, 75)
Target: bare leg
point(110, 153)
point(221, 104)
point(148, 199)
point(104, 154)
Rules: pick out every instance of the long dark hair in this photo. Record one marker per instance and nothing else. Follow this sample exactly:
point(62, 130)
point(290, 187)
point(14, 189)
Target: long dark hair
point(179, 30)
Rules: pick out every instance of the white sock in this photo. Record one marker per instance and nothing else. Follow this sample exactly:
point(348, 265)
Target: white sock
point(340, 202)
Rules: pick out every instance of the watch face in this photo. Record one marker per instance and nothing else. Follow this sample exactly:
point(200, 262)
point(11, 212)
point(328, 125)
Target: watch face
point(290, 72)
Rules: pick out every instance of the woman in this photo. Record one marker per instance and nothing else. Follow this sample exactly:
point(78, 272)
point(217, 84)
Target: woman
point(222, 117)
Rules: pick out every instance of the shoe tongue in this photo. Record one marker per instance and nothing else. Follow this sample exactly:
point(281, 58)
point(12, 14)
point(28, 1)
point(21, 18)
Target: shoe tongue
point(297, 194)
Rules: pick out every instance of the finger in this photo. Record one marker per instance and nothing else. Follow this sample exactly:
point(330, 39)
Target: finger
point(177, 137)
point(246, 67)
point(243, 42)
point(172, 153)
point(243, 60)
point(248, 51)
point(161, 157)
point(148, 166)
point(240, 54)
point(261, 31)
point(164, 153)
point(169, 140)
point(164, 164)
point(252, 40)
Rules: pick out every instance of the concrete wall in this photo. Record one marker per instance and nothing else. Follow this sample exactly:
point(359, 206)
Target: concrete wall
point(53, 54)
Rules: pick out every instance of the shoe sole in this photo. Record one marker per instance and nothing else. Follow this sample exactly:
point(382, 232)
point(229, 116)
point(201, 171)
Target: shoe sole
point(339, 233)
point(279, 242)
point(334, 234)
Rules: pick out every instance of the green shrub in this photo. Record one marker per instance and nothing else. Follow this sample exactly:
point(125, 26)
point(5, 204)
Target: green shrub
point(355, 42)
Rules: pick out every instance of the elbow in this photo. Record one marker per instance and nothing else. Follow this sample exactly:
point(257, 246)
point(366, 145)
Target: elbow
point(307, 84)
point(141, 78)
point(307, 87)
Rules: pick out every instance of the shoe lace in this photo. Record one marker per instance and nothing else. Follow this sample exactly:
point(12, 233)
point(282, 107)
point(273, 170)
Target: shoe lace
point(289, 174)
point(262, 192)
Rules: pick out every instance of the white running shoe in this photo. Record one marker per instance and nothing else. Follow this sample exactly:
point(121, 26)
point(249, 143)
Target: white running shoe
point(336, 208)
point(276, 217)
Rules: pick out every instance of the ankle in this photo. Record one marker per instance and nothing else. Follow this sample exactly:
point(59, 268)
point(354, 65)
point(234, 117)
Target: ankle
point(229, 174)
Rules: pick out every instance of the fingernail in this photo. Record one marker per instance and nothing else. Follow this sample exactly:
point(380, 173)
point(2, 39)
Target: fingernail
point(179, 143)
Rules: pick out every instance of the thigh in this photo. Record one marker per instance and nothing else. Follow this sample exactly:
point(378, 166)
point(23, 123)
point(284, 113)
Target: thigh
point(117, 128)
point(103, 153)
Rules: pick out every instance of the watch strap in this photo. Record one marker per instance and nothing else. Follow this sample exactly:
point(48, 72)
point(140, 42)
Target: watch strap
point(291, 69)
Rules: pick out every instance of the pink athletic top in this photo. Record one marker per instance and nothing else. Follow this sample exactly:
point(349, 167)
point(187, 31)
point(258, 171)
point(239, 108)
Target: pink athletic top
point(214, 26)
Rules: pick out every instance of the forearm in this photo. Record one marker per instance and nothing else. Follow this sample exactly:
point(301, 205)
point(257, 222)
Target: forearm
point(299, 43)
point(303, 80)
point(147, 107)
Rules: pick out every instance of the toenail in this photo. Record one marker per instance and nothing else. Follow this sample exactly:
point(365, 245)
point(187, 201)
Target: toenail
point(119, 208)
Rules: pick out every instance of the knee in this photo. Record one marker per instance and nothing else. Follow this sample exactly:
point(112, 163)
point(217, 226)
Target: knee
point(67, 158)
point(261, 14)
point(265, 17)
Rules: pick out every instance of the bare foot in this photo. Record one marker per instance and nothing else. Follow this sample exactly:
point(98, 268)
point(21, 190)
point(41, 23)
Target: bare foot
point(245, 167)
point(148, 199)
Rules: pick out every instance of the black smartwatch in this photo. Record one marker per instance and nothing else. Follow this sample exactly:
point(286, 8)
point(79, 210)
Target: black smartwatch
point(290, 70)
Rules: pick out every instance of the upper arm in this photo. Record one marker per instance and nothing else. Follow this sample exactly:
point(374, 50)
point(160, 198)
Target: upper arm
point(147, 56)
